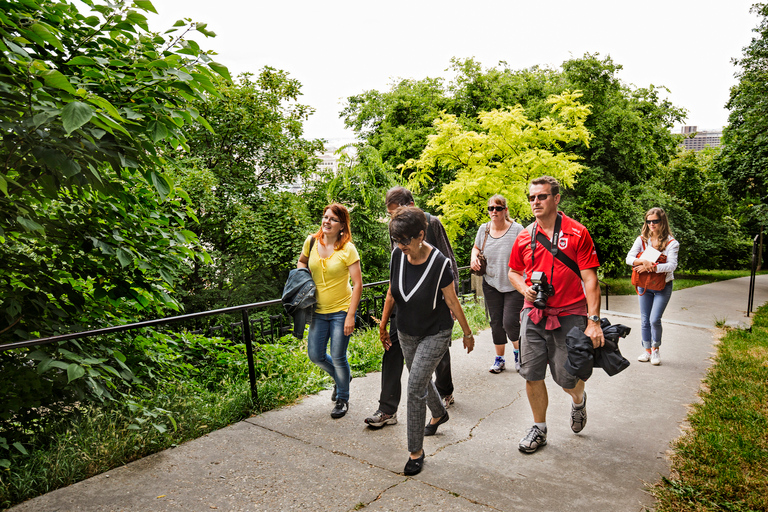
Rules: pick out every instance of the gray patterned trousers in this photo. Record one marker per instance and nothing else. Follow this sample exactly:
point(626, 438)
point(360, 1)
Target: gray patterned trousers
point(422, 355)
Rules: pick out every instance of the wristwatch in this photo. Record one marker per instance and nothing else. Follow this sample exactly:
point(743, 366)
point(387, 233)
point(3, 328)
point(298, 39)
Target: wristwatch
point(594, 318)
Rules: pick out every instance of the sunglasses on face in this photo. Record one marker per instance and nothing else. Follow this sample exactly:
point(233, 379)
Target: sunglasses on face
point(652, 221)
point(496, 208)
point(540, 197)
point(402, 241)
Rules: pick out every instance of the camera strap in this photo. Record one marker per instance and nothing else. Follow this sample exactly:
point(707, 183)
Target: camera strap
point(540, 238)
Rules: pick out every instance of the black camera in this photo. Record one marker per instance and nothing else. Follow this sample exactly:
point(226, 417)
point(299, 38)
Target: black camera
point(543, 289)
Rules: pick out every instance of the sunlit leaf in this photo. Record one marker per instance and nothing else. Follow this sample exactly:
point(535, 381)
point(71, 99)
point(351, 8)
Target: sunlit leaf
point(124, 257)
point(74, 371)
point(221, 69)
point(29, 224)
point(53, 78)
point(75, 115)
point(146, 5)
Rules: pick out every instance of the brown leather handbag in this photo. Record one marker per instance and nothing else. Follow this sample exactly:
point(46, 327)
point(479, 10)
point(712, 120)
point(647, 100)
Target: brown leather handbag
point(655, 281)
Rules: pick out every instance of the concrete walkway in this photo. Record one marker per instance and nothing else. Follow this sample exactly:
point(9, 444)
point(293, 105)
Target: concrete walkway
point(298, 458)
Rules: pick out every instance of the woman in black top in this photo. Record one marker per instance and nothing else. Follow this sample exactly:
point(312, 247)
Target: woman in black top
point(421, 284)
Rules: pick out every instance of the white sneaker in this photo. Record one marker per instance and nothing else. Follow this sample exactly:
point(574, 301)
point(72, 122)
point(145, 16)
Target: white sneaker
point(498, 365)
point(534, 439)
point(517, 365)
point(655, 357)
point(644, 357)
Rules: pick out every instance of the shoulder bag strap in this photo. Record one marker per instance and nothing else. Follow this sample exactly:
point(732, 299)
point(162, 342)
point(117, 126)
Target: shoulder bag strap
point(557, 254)
point(487, 231)
point(568, 262)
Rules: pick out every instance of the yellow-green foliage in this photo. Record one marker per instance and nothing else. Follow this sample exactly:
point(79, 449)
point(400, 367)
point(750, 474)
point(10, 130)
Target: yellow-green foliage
point(509, 152)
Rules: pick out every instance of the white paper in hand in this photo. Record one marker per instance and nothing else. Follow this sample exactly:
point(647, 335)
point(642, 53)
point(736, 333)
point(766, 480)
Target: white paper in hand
point(650, 254)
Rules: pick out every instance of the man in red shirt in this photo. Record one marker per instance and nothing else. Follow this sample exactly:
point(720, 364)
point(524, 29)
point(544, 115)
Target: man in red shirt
point(560, 250)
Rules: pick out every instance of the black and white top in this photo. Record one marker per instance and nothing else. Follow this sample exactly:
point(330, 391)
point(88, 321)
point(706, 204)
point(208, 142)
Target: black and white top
point(421, 306)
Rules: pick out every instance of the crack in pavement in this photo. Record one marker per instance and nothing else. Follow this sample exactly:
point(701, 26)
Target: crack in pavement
point(406, 479)
point(476, 425)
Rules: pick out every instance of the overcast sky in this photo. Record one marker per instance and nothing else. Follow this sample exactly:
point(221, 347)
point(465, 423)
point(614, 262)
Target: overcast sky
point(341, 48)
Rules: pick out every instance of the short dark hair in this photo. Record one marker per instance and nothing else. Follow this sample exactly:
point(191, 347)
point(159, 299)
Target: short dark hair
point(554, 185)
point(400, 196)
point(407, 222)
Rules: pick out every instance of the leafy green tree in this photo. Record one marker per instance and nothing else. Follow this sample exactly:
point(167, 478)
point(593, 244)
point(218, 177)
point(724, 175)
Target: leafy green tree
point(700, 209)
point(475, 90)
point(360, 184)
point(630, 134)
point(235, 174)
point(503, 158)
point(630, 127)
point(631, 142)
point(396, 123)
point(91, 103)
point(744, 158)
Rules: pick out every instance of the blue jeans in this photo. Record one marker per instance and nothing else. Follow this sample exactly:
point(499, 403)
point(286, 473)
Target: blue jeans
point(322, 328)
point(652, 306)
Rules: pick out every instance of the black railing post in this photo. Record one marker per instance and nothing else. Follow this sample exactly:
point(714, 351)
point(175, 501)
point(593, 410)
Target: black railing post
point(249, 352)
point(752, 273)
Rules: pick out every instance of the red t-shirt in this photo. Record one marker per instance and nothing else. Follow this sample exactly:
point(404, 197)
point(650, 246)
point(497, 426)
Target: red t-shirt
point(576, 243)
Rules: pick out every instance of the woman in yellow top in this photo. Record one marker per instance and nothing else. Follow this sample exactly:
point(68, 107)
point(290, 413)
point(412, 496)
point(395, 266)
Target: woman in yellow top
point(333, 260)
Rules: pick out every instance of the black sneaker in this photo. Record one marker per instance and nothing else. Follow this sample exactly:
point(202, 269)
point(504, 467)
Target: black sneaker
point(341, 408)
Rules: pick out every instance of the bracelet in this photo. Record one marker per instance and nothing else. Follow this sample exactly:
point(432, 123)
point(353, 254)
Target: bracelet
point(468, 335)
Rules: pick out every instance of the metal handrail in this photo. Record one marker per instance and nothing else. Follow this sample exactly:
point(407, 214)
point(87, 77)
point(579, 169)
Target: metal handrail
point(242, 309)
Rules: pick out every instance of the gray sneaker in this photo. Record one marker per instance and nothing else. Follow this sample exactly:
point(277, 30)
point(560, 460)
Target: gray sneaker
point(379, 419)
point(579, 416)
point(534, 439)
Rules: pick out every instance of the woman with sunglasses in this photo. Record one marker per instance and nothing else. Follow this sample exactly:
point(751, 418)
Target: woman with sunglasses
point(421, 284)
point(655, 233)
point(333, 260)
point(502, 301)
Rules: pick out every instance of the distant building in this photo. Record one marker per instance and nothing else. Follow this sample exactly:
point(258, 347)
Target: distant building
point(697, 140)
point(328, 160)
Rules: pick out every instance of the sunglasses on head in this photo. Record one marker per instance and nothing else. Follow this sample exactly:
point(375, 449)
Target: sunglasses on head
point(540, 197)
point(496, 208)
point(652, 221)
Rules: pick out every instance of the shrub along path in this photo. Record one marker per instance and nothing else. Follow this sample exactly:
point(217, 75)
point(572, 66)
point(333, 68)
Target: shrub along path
point(298, 458)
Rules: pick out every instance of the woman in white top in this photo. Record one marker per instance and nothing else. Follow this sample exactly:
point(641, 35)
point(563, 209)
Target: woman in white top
point(655, 233)
point(503, 303)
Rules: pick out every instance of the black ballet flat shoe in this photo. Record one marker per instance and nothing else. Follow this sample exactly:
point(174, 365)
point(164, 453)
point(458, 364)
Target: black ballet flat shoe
point(413, 466)
point(431, 428)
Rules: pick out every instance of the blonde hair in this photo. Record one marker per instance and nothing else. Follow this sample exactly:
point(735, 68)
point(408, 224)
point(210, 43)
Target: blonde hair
point(663, 232)
point(501, 201)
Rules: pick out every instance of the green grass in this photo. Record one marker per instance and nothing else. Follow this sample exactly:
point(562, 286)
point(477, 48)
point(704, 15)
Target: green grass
point(721, 463)
point(97, 439)
point(623, 285)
